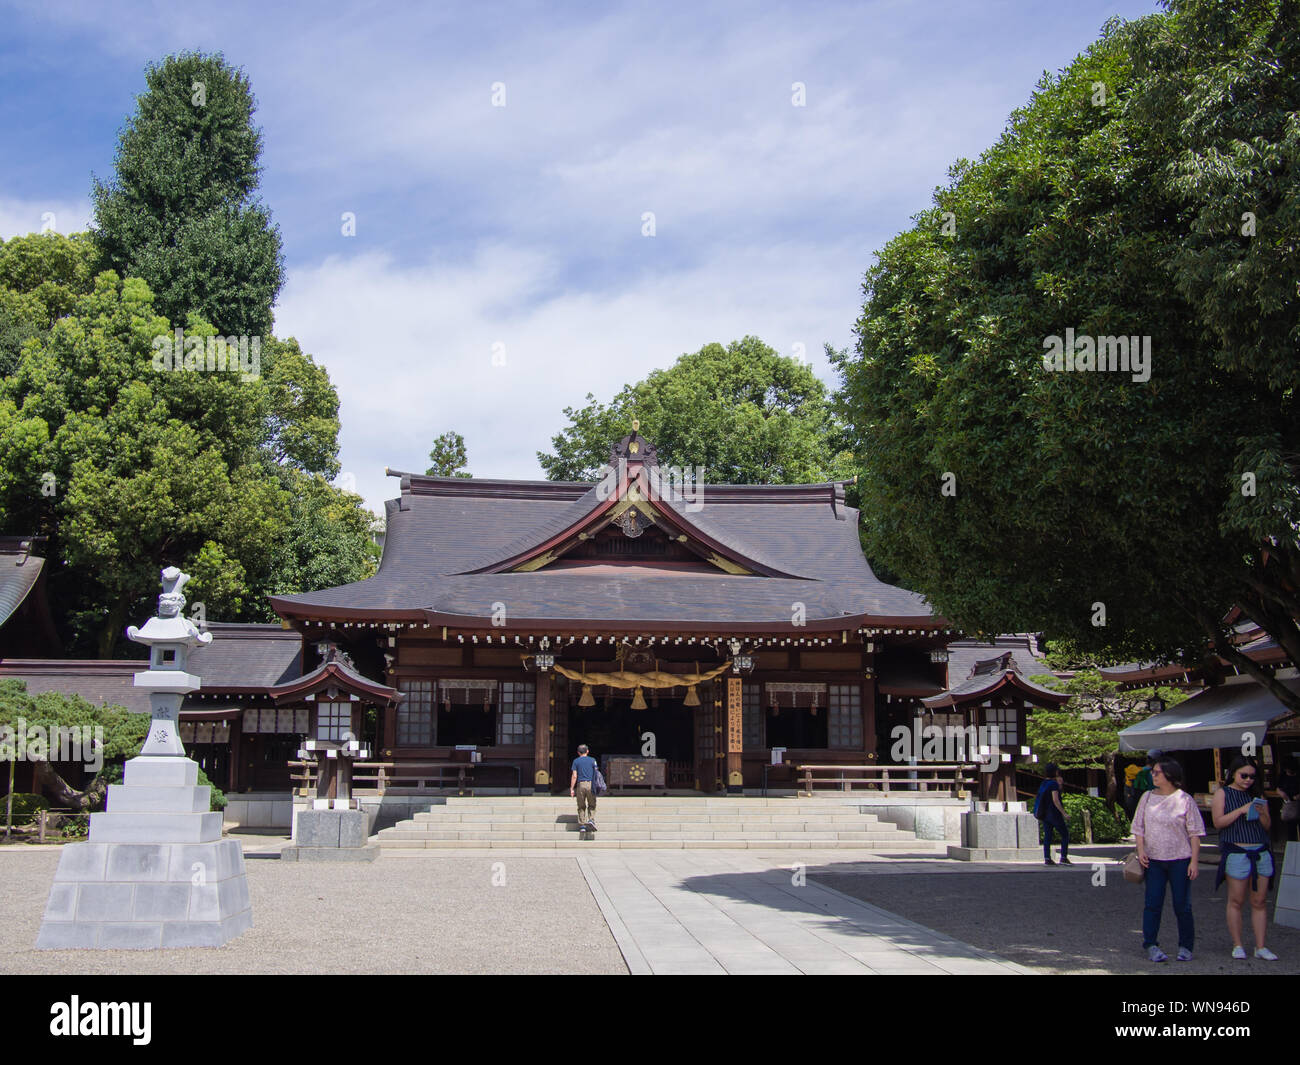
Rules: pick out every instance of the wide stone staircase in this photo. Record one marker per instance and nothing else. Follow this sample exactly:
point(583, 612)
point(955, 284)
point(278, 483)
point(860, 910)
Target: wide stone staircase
point(544, 822)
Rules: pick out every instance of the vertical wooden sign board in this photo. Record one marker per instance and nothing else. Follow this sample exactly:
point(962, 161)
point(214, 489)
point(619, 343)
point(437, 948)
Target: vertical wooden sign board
point(735, 717)
point(735, 736)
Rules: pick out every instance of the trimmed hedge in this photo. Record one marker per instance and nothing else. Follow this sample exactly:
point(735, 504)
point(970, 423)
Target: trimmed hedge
point(1108, 825)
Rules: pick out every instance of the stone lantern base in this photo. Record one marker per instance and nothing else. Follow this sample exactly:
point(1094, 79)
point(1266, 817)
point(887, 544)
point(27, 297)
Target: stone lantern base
point(155, 871)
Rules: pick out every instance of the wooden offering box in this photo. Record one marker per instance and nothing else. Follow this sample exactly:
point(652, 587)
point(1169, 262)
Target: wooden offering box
point(622, 773)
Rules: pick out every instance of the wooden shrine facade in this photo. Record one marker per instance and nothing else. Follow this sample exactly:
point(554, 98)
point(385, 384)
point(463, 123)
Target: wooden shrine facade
point(703, 626)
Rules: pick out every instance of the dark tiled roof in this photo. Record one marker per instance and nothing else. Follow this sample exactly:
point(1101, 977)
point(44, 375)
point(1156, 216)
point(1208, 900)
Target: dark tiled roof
point(246, 656)
point(442, 529)
point(110, 682)
point(964, 654)
point(336, 672)
point(242, 658)
point(984, 684)
point(19, 570)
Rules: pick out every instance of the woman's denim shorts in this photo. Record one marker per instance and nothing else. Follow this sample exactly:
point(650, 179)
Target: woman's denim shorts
point(1238, 866)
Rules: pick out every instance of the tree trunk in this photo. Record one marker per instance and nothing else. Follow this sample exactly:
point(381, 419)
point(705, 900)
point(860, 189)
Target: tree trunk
point(9, 799)
point(112, 630)
point(53, 785)
point(1112, 785)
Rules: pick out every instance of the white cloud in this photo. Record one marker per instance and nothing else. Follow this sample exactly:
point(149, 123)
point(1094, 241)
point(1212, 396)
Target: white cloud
point(410, 349)
point(19, 217)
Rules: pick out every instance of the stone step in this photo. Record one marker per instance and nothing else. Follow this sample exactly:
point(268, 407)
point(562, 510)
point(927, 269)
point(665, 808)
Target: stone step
point(542, 802)
point(398, 847)
point(632, 823)
point(607, 832)
point(556, 817)
point(658, 808)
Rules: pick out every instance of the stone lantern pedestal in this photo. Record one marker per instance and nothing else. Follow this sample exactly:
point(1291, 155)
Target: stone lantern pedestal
point(155, 871)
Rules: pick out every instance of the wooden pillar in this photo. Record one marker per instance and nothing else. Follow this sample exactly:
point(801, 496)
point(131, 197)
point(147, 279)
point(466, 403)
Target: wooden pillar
point(869, 739)
point(544, 712)
point(388, 728)
point(735, 737)
point(236, 735)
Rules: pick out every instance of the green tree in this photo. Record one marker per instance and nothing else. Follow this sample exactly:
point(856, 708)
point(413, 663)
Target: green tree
point(448, 457)
point(1101, 507)
point(743, 413)
point(41, 276)
point(128, 468)
point(123, 734)
point(181, 212)
point(1085, 734)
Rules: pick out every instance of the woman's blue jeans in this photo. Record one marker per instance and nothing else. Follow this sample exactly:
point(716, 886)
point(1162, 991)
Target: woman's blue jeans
point(1175, 875)
point(1054, 821)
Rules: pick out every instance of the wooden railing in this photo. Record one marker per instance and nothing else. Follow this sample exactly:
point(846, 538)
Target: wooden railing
point(306, 776)
point(418, 775)
point(929, 777)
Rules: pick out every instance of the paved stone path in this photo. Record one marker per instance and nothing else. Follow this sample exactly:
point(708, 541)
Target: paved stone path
point(676, 912)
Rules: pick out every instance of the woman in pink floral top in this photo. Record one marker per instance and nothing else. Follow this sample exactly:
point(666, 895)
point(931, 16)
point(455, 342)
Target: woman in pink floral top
point(1168, 828)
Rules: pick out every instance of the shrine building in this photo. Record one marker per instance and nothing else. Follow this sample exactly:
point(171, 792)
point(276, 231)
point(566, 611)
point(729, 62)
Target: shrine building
point(692, 632)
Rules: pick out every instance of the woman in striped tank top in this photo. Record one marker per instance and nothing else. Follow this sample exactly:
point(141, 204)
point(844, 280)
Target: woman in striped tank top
point(1244, 858)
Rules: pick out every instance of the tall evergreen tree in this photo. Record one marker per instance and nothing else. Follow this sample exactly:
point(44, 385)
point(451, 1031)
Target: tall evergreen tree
point(448, 457)
point(181, 212)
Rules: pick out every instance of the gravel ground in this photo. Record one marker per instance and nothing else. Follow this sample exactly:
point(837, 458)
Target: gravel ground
point(441, 915)
point(1054, 920)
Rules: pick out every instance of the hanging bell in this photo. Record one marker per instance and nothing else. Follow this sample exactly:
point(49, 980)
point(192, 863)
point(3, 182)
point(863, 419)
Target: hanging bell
point(692, 697)
point(586, 699)
point(638, 700)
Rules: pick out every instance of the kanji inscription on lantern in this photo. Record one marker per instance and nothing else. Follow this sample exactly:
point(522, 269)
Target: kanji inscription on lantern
point(735, 718)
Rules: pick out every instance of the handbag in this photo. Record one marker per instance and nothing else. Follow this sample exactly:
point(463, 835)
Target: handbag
point(1134, 871)
point(1291, 810)
point(598, 785)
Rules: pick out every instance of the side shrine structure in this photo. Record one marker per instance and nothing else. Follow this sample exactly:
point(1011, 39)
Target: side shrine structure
point(697, 633)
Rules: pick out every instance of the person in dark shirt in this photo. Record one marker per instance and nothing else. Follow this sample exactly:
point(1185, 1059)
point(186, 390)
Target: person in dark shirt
point(582, 786)
point(1048, 809)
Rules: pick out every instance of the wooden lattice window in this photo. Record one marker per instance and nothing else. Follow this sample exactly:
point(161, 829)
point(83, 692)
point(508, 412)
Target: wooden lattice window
point(333, 720)
point(517, 712)
point(845, 725)
point(752, 709)
point(415, 714)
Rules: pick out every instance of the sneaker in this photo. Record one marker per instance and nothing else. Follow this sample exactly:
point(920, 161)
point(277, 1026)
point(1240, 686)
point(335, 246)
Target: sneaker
point(1066, 861)
point(1154, 953)
point(591, 826)
point(1184, 954)
point(1048, 861)
point(1239, 953)
point(1264, 954)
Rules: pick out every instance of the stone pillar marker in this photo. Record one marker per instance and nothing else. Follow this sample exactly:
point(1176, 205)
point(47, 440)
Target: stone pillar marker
point(155, 871)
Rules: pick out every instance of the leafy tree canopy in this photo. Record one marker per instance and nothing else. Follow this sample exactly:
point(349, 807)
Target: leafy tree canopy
point(1106, 508)
point(743, 413)
point(127, 467)
point(181, 212)
point(448, 457)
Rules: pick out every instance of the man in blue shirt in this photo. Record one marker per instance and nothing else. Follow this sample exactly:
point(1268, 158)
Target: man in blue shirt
point(582, 786)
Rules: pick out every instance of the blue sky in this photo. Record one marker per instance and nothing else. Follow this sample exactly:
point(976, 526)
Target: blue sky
point(518, 229)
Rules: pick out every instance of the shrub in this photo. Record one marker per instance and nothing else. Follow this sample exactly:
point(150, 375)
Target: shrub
point(1108, 825)
point(25, 807)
